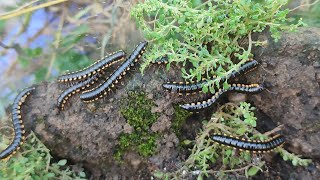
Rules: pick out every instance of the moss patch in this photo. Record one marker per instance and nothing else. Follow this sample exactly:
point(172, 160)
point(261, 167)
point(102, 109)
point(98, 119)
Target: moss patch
point(179, 119)
point(137, 110)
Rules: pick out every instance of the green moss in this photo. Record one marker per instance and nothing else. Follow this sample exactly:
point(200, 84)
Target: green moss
point(137, 110)
point(40, 120)
point(179, 119)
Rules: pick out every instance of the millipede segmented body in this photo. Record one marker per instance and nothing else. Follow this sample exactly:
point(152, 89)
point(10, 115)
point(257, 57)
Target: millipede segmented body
point(184, 87)
point(65, 95)
point(161, 60)
point(94, 68)
point(104, 88)
point(17, 124)
point(245, 68)
point(252, 88)
point(193, 87)
point(249, 145)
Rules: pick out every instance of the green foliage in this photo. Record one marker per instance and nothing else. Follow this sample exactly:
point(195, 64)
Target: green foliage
point(68, 58)
point(310, 15)
point(34, 162)
point(208, 158)
point(27, 55)
point(137, 110)
point(180, 30)
point(296, 160)
point(72, 60)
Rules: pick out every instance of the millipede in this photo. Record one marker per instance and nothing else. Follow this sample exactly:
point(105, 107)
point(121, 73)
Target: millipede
point(193, 87)
point(249, 145)
point(65, 95)
point(17, 124)
point(161, 60)
point(252, 88)
point(94, 68)
point(104, 88)
point(245, 68)
point(185, 87)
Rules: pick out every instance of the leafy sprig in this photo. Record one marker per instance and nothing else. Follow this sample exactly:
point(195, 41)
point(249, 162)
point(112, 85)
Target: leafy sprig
point(181, 30)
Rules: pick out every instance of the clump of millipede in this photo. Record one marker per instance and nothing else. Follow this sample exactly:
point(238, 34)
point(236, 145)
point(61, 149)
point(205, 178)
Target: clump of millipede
point(87, 77)
point(105, 87)
point(186, 88)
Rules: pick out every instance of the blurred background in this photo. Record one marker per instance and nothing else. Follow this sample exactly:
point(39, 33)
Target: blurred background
point(41, 39)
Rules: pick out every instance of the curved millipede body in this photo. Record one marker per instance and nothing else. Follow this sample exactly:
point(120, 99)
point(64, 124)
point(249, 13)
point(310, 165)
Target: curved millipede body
point(184, 87)
point(104, 88)
point(252, 88)
point(65, 95)
point(94, 68)
point(249, 145)
point(193, 87)
point(245, 68)
point(161, 60)
point(17, 124)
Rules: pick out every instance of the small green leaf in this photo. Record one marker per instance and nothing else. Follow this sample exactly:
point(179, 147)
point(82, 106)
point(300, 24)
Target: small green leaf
point(62, 162)
point(82, 174)
point(200, 24)
point(50, 175)
point(226, 85)
point(205, 89)
point(241, 131)
point(225, 161)
point(181, 20)
point(295, 162)
point(187, 142)
point(199, 177)
point(253, 171)
point(158, 174)
point(229, 152)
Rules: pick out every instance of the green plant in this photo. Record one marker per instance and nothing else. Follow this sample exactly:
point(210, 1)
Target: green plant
point(137, 110)
point(208, 158)
point(33, 161)
point(208, 36)
point(62, 39)
point(309, 11)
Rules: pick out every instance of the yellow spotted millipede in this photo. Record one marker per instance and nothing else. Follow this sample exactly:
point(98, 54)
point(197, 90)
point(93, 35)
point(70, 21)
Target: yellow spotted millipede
point(94, 68)
point(161, 60)
point(17, 124)
point(65, 95)
point(105, 87)
point(249, 145)
point(252, 88)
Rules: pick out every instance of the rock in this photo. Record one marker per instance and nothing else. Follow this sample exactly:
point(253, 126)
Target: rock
point(88, 133)
point(293, 95)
